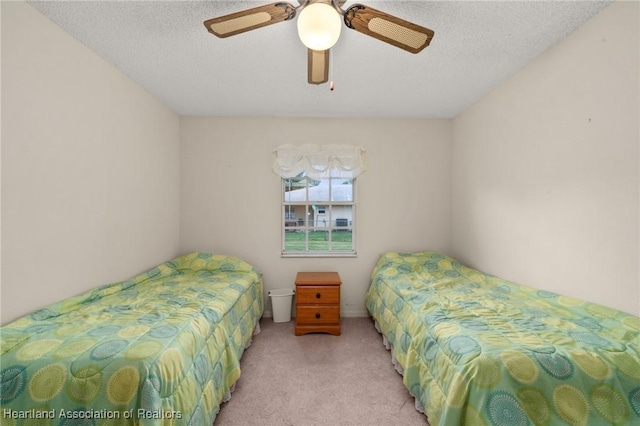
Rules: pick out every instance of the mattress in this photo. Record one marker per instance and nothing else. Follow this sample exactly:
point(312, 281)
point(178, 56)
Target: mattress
point(161, 348)
point(477, 349)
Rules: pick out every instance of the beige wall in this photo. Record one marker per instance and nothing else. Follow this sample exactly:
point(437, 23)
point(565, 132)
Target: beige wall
point(545, 168)
point(100, 181)
point(90, 168)
point(231, 200)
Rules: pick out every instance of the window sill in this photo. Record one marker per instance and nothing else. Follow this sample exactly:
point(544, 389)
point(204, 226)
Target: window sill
point(307, 255)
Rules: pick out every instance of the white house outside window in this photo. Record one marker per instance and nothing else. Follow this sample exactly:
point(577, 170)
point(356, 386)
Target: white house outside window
point(318, 199)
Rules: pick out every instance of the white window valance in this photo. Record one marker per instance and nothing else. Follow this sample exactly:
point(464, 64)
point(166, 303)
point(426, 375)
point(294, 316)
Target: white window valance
point(319, 161)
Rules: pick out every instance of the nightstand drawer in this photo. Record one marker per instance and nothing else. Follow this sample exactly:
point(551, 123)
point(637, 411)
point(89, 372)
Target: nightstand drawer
point(309, 315)
point(320, 295)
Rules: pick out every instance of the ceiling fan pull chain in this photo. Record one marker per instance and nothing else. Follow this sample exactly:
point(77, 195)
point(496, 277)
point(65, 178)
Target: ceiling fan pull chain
point(331, 87)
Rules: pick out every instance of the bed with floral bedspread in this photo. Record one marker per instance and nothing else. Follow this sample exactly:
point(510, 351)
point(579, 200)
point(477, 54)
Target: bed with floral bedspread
point(475, 349)
point(162, 348)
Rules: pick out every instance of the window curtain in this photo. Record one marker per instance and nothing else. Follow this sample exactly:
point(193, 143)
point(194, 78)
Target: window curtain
point(319, 161)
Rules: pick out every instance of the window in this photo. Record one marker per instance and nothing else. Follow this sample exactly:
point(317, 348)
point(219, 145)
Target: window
point(318, 198)
point(318, 216)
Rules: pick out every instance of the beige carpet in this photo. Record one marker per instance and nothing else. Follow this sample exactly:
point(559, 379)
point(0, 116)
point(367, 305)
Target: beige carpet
point(319, 379)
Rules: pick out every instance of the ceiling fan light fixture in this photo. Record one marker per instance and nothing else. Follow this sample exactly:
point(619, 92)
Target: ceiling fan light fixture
point(319, 26)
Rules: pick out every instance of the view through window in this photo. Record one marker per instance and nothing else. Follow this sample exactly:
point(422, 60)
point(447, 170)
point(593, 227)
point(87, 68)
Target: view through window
point(318, 216)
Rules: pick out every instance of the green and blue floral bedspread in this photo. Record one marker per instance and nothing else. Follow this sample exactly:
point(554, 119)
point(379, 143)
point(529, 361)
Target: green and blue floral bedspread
point(480, 350)
point(162, 348)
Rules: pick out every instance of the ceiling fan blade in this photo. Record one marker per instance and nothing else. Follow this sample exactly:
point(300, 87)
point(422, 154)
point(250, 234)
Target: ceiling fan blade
point(318, 66)
point(390, 29)
point(250, 19)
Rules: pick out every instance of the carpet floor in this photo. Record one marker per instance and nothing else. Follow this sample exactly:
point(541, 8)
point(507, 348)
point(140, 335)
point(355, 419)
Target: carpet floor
point(319, 379)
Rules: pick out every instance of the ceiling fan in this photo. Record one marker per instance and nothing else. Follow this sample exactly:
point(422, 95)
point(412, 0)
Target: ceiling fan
point(319, 28)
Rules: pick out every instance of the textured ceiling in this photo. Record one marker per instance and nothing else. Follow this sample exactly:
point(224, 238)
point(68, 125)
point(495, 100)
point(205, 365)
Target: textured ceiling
point(165, 48)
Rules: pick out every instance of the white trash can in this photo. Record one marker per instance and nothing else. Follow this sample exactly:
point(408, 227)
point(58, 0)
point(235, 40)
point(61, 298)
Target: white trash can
point(281, 304)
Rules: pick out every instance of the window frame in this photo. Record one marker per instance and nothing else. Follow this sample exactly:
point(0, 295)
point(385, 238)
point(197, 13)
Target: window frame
point(328, 205)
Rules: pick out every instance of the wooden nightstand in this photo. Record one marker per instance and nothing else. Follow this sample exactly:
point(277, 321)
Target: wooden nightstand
point(318, 303)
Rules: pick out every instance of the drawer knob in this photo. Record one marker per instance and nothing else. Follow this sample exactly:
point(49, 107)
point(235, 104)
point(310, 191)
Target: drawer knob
point(318, 295)
point(317, 315)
